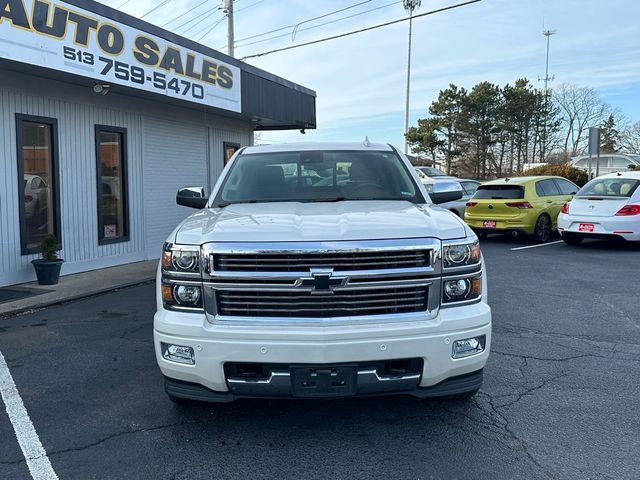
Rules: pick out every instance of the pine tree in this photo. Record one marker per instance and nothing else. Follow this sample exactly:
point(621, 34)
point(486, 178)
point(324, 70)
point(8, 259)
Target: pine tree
point(609, 136)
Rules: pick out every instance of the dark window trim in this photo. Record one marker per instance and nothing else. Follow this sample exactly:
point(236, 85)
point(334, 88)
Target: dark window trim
point(226, 145)
point(124, 184)
point(53, 183)
point(559, 181)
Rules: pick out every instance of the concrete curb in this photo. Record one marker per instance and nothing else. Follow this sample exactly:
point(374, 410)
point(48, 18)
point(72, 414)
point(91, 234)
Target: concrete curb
point(61, 301)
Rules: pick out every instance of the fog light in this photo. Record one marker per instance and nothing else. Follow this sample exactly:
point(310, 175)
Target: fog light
point(178, 353)
point(187, 294)
point(468, 346)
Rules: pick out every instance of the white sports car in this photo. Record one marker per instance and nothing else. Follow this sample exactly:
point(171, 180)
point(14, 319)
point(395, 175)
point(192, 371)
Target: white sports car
point(607, 207)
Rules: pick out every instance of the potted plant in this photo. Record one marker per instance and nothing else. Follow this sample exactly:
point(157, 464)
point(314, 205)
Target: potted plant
point(48, 267)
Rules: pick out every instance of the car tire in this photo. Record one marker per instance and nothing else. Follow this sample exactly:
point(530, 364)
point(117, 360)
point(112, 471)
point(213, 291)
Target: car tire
point(572, 239)
point(543, 229)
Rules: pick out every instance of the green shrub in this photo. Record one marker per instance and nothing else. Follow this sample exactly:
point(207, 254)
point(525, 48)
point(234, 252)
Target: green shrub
point(49, 248)
point(577, 176)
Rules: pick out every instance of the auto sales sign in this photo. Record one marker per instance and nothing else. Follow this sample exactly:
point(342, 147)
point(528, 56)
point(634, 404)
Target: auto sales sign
point(60, 36)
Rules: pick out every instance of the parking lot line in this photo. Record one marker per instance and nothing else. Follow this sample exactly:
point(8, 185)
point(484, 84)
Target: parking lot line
point(33, 451)
point(538, 245)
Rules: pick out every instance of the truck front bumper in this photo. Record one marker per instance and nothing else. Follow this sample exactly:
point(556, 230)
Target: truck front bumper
point(355, 351)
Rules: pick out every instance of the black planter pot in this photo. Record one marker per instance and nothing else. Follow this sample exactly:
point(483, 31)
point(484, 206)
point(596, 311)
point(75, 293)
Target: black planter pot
point(47, 271)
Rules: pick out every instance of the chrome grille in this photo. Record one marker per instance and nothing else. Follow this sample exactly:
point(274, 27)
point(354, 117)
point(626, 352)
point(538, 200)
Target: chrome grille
point(342, 303)
point(312, 283)
point(339, 261)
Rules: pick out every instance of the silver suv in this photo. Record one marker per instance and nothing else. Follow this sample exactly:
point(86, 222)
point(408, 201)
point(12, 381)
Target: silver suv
point(607, 163)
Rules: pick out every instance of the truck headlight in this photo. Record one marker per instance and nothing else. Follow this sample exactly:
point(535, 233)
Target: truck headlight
point(185, 259)
point(462, 289)
point(461, 254)
point(181, 279)
point(185, 296)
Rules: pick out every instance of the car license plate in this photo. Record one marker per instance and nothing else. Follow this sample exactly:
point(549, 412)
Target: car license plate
point(489, 224)
point(586, 227)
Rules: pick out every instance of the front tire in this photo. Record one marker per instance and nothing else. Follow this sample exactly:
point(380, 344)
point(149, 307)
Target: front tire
point(542, 230)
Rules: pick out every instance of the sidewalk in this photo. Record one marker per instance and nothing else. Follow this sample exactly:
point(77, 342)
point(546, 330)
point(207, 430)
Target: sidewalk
point(80, 285)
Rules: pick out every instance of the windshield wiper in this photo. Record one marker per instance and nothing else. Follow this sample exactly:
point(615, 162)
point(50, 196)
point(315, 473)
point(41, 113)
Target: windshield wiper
point(328, 200)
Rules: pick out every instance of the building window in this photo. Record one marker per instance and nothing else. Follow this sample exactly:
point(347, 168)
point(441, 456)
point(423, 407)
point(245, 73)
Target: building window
point(112, 184)
point(37, 180)
point(228, 150)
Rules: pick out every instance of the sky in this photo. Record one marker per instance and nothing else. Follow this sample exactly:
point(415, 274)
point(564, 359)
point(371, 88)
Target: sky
point(360, 80)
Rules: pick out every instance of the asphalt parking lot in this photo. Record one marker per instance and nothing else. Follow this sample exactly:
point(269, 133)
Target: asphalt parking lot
point(560, 398)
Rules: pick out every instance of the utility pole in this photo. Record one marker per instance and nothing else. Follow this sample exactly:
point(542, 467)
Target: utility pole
point(409, 6)
point(543, 145)
point(228, 10)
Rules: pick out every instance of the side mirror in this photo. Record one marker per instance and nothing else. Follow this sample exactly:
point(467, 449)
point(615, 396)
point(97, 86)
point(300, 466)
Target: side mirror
point(193, 197)
point(446, 192)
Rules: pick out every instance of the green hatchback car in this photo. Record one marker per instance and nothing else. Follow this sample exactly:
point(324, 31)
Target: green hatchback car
point(519, 205)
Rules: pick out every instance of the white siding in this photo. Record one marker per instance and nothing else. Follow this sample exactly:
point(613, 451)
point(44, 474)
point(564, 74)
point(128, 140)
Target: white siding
point(175, 155)
point(162, 155)
point(217, 137)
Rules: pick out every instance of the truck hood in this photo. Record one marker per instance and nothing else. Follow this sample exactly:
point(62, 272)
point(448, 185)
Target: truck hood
point(304, 222)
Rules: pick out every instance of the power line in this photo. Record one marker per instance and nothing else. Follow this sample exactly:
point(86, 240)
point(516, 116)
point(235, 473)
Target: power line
point(204, 18)
point(443, 9)
point(322, 24)
point(123, 4)
point(219, 21)
point(304, 21)
point(248, 6)
point(161, 4)
point(184, 13)
point(211, 29)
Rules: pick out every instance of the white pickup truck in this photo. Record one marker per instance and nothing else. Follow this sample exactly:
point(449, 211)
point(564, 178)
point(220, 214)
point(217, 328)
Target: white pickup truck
point(318, 271)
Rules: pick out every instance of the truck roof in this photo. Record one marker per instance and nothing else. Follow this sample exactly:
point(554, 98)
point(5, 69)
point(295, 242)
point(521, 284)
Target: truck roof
point(317, 146)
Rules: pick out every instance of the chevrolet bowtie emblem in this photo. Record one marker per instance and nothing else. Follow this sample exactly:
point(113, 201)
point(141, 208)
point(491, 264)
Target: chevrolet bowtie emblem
point(322, 281)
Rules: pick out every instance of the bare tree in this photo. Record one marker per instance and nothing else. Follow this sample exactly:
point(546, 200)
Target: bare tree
point(630, 138)
point(580, 108)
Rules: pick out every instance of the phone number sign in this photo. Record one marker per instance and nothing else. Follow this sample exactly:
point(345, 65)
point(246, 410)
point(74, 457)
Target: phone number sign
point(62, 37)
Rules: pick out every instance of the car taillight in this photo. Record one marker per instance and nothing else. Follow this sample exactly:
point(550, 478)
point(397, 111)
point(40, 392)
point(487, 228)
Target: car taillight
point(628, 210)
point(519, 204)
point(471, 204)
point(565, 208)
point(28, 199)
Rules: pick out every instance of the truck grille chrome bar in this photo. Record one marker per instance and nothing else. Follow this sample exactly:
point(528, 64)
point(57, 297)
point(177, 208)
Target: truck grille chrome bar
point(321, 282)
point(337, 261)
point(341, 304)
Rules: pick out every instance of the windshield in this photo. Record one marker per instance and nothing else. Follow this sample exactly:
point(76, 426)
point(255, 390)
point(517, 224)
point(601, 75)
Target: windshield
point(499, 192)
point(609, 187)
point(317, 176)
point(432, 172)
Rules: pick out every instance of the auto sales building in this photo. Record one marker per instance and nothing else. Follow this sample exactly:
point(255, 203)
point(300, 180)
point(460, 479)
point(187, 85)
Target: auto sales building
point(102, 118)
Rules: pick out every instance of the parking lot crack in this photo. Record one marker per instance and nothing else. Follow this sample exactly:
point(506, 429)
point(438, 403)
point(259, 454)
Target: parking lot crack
point(125, 433)
point(544, 359)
